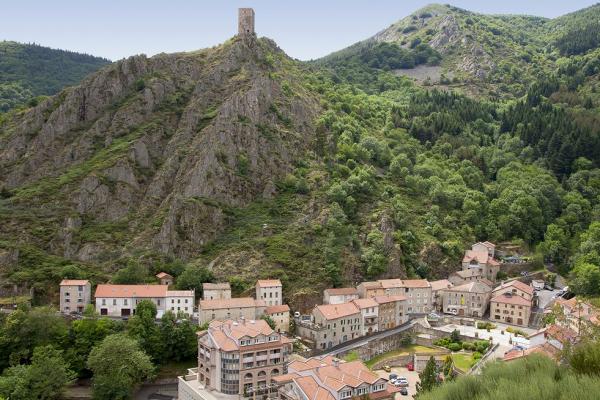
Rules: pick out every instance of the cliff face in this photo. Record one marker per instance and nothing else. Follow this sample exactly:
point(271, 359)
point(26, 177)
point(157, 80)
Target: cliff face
point(155, 148)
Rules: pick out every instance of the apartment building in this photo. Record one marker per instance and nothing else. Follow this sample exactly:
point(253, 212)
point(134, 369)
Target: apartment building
point(392, 311)
point(75, 294)
point(511, 303)
point(225, 309)
point(121, 300)
point(468, 300)
point(436, 293)
point(181, 301)
point(339, 295)
point(237, 358)
point(281, 316)
point(369, 310)
point(481, 258)
point(515, 287)
point(216, 291)
point(328, 378)
point(417, 292)
point(333, 324)
point(270, 291)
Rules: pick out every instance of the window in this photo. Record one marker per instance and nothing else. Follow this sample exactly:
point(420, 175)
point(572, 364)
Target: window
point(178, 301)
point(158, 302)
point(125, 302)
point(114, 302)
point(103, 302)
point(346, 394)
point(172, 301)
point(67, 294)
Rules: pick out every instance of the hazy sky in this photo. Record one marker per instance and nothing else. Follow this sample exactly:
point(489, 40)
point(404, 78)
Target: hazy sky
point(305, 29)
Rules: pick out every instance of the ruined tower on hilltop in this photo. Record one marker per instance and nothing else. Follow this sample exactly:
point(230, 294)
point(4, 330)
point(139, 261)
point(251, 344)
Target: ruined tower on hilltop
point(245, 21)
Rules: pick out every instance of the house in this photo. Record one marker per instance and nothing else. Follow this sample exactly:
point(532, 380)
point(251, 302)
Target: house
point(339, 295)
point(555, 335)
point(468, 300)
point(216, 291)
point(281, 316)
point(417, 292)
point(465, 276)
point(331, 324)
point(121, 300)
point(369, 310)
point(164, 278)
point(392, 311)
point(546, 349)
point(512, 303)
point(75, 294)
point(236, 358)
point(225, 309)
point(436, 293)
point(270, 291)
point(181, 302)
point(328, 378)
point(481, 258)
point(578, 314)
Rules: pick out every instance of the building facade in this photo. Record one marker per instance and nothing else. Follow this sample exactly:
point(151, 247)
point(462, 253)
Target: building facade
point(225, 309)
point(416, 291)
point(75, 295)
point(481, 258)
point(216, 291)
point(334, 324)
point(392, 311)
point(245, 21)
point(437, 287)
point(339, 295)
point(164, 278)
point(281, 316)
point(181, 302)
point(467, 300)
point(121, 300)
point(270, 291)
point(369, 310)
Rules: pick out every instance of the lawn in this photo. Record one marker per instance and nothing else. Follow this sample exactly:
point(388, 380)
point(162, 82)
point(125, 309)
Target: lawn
point(413, 348)
point(175, 369)
point(463, 361)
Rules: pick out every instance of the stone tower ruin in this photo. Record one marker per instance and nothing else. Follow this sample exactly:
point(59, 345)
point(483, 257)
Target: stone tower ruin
point(245, 21)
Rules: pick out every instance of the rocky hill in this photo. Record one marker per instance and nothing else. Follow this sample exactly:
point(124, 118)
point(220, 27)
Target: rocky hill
point(30, 70)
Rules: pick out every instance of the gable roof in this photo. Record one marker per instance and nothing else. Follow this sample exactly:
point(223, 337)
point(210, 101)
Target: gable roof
point(74, 282)
point(341, 291)
point(471, 287)
point(268, 283)
point(162, 275)
point(388, 299)
point(441, 284)
point(180, 293)
point(335, 311)
point(469, 273)
point(129, 291)
point(236, 302)
point(216, 286)
point(365, 303)
point(508, 298)
point(277, 309)
point(517, 285)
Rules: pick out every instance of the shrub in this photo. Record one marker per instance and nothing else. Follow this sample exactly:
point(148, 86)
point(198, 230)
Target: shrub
point(476, 355)
point(454, 347)
point(468, 346)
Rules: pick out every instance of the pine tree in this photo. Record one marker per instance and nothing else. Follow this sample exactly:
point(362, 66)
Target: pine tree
point(428, 377)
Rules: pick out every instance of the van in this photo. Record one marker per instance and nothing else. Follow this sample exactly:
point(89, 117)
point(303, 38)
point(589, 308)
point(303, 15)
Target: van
point(537, 284)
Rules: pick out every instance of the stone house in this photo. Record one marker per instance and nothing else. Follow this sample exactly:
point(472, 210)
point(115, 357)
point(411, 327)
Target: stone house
point(481, 258)
point(436, 293)
point(216, 291)
point(467, 300)
point(339, 322)
point(225, 309)
point(392, 311)
point(369, 310)
point(75, 294)
point(339, 295)
point(281, 317)
point(164, 278)
point(270, 291)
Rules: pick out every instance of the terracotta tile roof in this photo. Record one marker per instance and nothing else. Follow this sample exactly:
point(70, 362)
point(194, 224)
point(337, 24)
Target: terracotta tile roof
point(416, 283)
point(216, 286)
point(471, 287)
point(285, 378)
point(312, 389)
point(488, 244)
point(365, 303)
point(335, 311)
point(487, 282)
point(180, 293)
point(225, 334)
point(341, 291)
point(468, 273)
point(441, 284)
point(371, 285)
point(546, 349)
point(277, 309)
point(388, 299)
point(129, 291)
point(74, 282)
point(391, 283)
point(268, 282)
point(238, 302)
point(508, 298)
point(517, 285)
point(561, 334)
point(162, 275)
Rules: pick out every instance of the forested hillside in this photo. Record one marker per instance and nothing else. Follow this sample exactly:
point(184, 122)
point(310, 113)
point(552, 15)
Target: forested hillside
point(237, 162)
point(30, 70)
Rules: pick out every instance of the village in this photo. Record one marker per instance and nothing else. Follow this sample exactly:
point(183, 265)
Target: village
point(373, 339)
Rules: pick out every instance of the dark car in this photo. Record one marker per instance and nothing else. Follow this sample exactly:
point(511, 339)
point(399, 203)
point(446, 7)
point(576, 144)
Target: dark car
point(404, 391)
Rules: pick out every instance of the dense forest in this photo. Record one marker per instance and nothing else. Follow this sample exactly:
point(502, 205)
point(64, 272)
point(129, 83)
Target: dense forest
point(31, 70)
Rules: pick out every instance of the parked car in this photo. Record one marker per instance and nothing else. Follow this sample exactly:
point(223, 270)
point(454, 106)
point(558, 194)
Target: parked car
point(404, 391)
point(392, 376)
point(402, 381)
point(537, 284)
point(387, 368)
point(410, 366)
point(452, 311)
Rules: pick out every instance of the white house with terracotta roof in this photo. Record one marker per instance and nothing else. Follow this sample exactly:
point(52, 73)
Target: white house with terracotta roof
point(328, 378)
point(339, 295)
point(236, 358)
point(235, 308)
point(511, 303)
point(216, 291)
point(369, 310)
point(281, 316)
point(75, 294)
point(270, 291)
point(181, 301)
point(481, 258)
point(121, 300)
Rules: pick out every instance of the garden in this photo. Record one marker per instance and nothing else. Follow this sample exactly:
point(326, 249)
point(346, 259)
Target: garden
point(464, 354)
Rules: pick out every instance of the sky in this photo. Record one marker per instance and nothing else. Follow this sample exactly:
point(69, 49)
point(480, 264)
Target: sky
point(304, 29)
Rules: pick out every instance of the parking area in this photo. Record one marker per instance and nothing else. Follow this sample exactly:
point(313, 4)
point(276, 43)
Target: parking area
point(546, 297)
point(411, 376)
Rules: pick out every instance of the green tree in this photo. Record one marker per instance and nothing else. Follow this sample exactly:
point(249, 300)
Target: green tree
point(45, 378)
point(428, 377)
point(193, 277)
point(585, 358)
point(178, 337)
point(269, 321)
point(133, 273)
point(555, 244)
point(118, 365)
point(142, 327)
